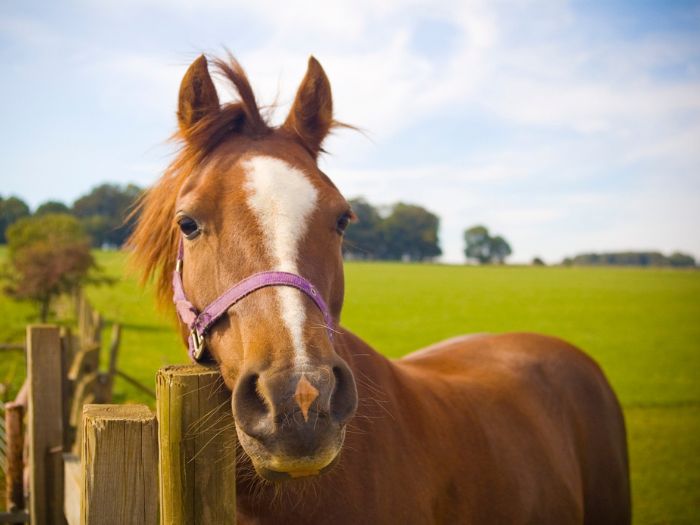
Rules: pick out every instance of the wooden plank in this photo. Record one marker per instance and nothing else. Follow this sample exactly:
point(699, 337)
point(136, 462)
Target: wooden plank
point(73, 488)
point(107, 379)
point(137, 384)
point(14, 517)
point(67, 351)
point(45, 425)
point(86, 361)
point(96, 325)
point(84, 315)
point(77, 430)
point(68, 342)
point(14, 463)
point(120, 472)
point(12, 346)
point(83, 388)
point(197, 441)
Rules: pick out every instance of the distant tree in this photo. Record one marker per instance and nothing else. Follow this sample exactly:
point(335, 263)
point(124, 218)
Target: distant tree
point(478, 244)
point(410, 232)
point(679, 259)
point(104, 211)
point(631, 259)
point(482, 247)
point(11, 210)
point(537, 261)
point(51, 207)
point(49, 255)
point(500, 249)
point(363, 238)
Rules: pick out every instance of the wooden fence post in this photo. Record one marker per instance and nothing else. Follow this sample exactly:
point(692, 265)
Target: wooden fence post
point(45, 426)
point(119, 459)
point(197, 441)
point(14, 431)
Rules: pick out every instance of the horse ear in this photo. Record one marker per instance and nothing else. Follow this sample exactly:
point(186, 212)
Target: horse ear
point(198, 96)
point(311, 116)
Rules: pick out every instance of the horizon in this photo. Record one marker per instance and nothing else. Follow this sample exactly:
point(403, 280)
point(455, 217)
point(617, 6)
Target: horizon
point(567, 128)
point(384, 208)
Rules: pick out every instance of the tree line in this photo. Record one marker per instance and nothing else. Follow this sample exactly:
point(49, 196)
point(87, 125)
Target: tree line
point(102, 213)
point(399, 232)
point(676, 259)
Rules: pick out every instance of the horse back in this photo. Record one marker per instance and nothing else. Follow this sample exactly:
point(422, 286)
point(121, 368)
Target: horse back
point(540, 410)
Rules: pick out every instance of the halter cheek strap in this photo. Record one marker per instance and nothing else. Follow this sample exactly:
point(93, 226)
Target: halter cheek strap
point(199, 323)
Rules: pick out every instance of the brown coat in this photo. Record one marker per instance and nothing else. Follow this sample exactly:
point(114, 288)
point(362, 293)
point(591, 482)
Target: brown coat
point(513, 428)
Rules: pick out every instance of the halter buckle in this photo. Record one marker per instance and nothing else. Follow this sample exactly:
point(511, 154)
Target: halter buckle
point(197, 344)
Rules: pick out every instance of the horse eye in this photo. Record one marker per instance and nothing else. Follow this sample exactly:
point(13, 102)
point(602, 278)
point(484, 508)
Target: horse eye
point(189, 227)
point(343, 222)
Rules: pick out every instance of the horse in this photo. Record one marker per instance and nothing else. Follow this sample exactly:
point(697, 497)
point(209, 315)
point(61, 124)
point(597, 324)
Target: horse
point(245, 232)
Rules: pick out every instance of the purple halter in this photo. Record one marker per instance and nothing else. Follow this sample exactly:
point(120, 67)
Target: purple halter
point(200, 322)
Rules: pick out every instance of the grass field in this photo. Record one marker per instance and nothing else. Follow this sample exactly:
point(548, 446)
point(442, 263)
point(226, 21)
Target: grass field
point(642, 326)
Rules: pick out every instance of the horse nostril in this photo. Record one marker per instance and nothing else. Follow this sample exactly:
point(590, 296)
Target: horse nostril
point(250, 406)
point(253, 395)
point(344, 397)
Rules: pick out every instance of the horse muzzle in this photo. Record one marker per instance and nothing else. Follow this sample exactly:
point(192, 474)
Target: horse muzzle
point(291, 422)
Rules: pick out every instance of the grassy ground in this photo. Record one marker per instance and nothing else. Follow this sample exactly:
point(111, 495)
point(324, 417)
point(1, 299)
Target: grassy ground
point(641, 325)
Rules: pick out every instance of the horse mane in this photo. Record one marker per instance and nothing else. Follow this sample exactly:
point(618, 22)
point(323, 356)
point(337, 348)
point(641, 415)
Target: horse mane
point(153, 244)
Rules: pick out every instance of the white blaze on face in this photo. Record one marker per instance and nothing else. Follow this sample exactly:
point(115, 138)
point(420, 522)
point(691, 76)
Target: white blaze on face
point(282, 199)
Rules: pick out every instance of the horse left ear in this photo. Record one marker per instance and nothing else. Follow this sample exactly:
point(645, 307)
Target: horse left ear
point(311, 116)
point(198, 96)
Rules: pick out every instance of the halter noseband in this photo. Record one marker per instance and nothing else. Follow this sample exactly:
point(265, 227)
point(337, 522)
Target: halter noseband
point(200, 322)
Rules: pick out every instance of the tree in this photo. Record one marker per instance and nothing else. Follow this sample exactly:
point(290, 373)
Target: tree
point(482, 247)
point(363, 238)
point(478, 244)
point(538, 261)
point(679, 259)
point(51, 207)
point(104, 211)
point(500, 249)
point(50, 255)
point(410, 232)
point(11, 210)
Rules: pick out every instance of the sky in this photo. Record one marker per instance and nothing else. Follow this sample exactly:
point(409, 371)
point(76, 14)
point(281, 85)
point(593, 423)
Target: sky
point(566, 127)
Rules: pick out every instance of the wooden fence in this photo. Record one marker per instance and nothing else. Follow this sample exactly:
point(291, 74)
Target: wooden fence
point(91, 462)
point(194, 481)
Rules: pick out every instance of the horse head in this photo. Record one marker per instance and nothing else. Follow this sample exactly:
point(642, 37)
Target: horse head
point(246, 202)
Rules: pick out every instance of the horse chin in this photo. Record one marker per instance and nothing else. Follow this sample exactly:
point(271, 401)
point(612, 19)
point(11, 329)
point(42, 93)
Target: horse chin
point(281, 468)
point(281, 476)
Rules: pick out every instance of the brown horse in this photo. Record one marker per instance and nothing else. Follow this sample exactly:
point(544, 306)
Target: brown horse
point(514, 428)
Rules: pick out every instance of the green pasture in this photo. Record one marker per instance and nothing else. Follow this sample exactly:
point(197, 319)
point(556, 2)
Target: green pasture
point(642, 325)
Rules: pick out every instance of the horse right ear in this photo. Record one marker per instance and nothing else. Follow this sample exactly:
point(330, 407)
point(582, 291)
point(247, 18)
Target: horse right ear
point(198, 96)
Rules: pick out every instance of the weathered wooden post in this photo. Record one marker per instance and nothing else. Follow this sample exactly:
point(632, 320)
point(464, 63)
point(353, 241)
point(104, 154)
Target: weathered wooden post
point(14, 432)
point(119, 461)
point(197, 440)
point(45, 426)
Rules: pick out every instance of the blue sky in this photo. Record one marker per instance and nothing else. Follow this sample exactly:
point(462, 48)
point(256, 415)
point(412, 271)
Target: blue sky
point(566, 127)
